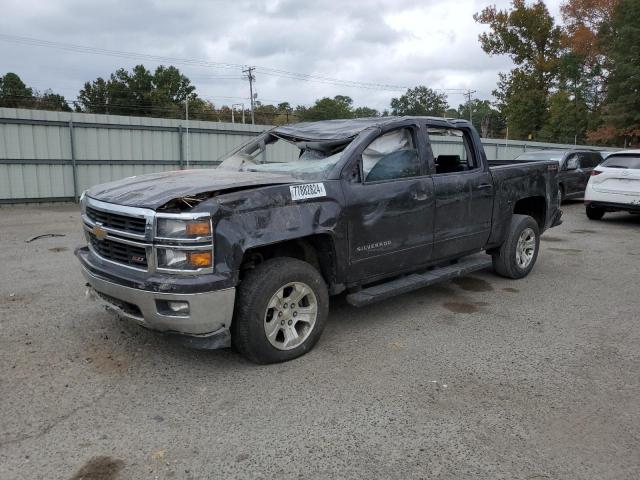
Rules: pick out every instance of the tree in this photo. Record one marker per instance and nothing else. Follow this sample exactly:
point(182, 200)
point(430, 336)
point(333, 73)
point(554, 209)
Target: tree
point(327, 108)
point(487, 120)
point(621, 109)
point(52, 101)
point(530, 37)
point(365, 112)
point(13, 92)
point(583, 66)
point(139, 92)
point(94, 97)
point(420, 100)
point(584, 21)
point(567, 121)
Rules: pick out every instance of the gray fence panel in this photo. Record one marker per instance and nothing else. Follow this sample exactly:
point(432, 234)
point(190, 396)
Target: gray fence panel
point(36, 161)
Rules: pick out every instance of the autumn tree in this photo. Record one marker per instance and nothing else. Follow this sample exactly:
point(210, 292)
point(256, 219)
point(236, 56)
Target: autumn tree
point(529, 36)
point(621, 109)
point(584, 22)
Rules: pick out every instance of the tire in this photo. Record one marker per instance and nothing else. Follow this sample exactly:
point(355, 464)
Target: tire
point(522, 243)
point(264, 296)
point(594, 213)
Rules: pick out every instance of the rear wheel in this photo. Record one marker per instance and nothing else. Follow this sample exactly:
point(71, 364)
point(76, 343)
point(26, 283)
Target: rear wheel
point(519, 252)
point(594, 213)
point(281, 310)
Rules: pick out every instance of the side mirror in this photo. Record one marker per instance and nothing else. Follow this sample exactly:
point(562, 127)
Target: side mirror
point(572, 164)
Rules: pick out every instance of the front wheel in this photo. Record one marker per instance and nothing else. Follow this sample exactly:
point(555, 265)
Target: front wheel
point(519, 252)
point(281, 310)
point(594, 213)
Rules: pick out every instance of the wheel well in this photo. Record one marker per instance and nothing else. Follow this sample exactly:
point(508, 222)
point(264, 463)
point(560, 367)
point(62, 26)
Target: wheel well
point(317, 250)
point(534, 207)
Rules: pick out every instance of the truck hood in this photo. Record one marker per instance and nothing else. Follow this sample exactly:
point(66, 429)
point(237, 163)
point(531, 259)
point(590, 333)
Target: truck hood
point(155, 189)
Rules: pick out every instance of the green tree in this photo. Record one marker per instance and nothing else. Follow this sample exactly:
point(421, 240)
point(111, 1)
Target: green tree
point(527, 34)
point(14, 93)
point(139, 92)
point(567, 120)
point(453, 113)
point(52, 101)
point(365, 112)
point(94, 97)
point(621, 109)
point(327, 108)
point(487, 120)
point(420, 100)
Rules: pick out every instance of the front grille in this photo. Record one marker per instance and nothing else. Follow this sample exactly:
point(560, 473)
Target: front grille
point(117, 221)
point(119, 252)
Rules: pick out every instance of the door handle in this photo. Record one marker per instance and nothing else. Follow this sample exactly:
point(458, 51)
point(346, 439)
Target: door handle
point(484, 186)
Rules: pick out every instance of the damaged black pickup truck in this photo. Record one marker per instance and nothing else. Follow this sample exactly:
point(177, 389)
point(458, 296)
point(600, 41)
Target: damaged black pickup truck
point(247, 254)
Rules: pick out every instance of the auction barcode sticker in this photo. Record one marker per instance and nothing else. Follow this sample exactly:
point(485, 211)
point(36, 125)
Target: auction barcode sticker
point(307, 190)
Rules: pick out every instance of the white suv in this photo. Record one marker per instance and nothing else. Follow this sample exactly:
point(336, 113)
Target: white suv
point(614, 185)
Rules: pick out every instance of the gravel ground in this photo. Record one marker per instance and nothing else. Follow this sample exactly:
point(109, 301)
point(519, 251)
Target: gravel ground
point(479, 378)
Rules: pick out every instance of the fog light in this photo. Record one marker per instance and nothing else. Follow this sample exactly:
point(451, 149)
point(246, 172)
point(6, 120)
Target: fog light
point(178, 307)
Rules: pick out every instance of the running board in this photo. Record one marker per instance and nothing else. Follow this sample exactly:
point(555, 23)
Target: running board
point(414, 281)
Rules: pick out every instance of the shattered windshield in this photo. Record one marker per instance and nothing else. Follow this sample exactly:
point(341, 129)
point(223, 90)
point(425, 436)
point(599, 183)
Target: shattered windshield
point(271, 153)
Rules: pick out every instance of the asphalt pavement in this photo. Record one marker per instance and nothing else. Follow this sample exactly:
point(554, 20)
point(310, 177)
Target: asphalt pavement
point(479, 378)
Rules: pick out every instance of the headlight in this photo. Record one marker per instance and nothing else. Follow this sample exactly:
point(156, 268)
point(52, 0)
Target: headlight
point(183, 229)
point(176, 259)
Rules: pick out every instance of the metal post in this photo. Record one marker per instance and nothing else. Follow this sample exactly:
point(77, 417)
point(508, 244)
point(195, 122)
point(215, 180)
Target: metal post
point(180, 147)
point(187, 126)
point(74, 167)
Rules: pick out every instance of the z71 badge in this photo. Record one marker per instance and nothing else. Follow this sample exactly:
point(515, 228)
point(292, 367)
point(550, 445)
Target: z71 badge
point(307, 190)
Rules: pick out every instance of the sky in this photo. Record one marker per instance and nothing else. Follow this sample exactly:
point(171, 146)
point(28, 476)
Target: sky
point(397, 43)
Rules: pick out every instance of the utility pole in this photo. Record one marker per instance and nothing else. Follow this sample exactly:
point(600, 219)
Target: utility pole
point(251, 77)
point(468, 94)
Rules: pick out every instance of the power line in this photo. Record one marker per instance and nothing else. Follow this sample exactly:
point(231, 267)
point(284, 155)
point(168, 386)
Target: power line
point(275, 72)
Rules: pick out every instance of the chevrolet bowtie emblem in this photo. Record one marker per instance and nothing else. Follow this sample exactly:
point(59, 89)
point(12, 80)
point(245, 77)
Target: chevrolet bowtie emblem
point(99, 232)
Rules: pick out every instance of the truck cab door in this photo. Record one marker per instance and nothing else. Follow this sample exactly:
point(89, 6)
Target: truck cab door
point(464, 192)
point(389, 204)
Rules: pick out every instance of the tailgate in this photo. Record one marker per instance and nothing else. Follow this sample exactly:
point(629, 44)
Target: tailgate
point(618, 181)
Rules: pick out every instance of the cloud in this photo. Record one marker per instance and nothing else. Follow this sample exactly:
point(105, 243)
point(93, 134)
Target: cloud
point(402, 42)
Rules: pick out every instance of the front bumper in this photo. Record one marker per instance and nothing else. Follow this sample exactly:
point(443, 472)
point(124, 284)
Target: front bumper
point(206, 324)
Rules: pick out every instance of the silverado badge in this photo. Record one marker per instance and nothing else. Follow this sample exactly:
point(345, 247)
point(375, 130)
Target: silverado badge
point(99, 232)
